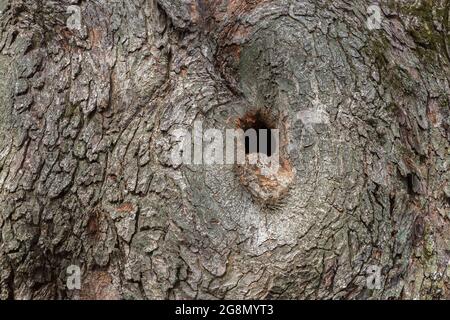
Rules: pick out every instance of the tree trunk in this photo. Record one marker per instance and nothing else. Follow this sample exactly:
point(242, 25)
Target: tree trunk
point(88, 111)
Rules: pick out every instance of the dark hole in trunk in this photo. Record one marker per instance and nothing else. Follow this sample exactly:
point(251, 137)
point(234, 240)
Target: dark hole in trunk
point(260, 139)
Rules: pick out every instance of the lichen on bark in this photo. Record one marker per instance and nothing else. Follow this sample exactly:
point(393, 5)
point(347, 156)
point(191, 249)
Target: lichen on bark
point(87, 122)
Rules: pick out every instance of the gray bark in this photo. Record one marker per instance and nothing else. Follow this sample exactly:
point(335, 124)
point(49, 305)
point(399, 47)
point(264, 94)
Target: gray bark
point(86, 123)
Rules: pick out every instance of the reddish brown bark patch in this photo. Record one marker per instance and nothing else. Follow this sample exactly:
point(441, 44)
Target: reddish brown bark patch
point(265, 188)
point(125, 208)
point(93, 223)
point(98, 286)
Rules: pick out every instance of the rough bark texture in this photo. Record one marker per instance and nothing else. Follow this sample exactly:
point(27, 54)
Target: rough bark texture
point(86, 123)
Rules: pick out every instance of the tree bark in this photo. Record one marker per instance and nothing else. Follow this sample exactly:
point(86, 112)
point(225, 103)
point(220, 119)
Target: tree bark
point(87, 117)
